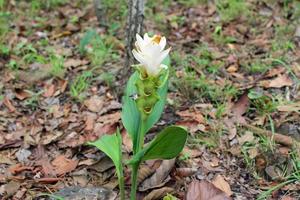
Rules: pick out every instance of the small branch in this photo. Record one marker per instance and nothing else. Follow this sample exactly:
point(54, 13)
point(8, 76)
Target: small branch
point(279, 138)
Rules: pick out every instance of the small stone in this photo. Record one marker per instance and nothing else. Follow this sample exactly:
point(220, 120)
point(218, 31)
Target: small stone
point(85, 193)
point(23, 154)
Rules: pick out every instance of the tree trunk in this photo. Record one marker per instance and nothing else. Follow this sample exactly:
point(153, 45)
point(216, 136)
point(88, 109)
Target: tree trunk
point(99, 11)
point(134, 26)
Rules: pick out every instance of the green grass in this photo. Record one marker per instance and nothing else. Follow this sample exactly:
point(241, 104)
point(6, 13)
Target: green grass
point(261, 103)
point(229, 10)
point(80, 84)
point(289, 178)
point(95, 48)
point(219, 37)
point(57, 66)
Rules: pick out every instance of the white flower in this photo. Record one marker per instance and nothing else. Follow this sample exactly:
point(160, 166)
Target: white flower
point(150, 53)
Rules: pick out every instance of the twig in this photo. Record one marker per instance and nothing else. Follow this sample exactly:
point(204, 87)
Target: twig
point(279, 138)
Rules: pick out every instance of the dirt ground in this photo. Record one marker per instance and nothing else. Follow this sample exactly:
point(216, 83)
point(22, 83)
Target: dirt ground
point(234, 83)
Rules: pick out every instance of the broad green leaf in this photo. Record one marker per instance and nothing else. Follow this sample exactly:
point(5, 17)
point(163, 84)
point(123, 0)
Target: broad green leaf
point(166, 145)
point(111, 146)
point(130, 114)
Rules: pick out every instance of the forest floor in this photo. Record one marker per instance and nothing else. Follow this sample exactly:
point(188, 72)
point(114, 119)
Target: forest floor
point(234, 84)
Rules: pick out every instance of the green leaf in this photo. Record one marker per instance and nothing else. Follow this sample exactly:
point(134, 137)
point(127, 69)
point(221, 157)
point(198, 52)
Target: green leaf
point(166, 145)
point(88, 36)
point(130, 114)
point(111, 146)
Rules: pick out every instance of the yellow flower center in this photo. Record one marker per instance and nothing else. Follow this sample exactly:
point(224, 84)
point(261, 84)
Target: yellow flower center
point(156, 39)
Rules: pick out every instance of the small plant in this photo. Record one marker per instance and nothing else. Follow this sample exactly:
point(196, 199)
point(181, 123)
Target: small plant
point(290, 178)
point(231, 9)
point(220, 38)
point(80, 84)
point(263, 104)
point(57, 66)
point(143, 104)
point(95, 48)
point(13, 65)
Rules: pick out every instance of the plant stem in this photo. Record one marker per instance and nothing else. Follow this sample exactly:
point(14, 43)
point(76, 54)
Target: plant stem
point(134, 175)
point(122, 185)
point(135, 167)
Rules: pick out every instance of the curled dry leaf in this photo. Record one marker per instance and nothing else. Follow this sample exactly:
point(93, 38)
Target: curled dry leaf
point(158, 179)
point(95, 103)
point(222, 184)
point(186, 171)
point(278, 82)
point(49, 90)
point(64, 165)
point(159, 193)
point(9, 105)
point(204, 190)
point(144, 172)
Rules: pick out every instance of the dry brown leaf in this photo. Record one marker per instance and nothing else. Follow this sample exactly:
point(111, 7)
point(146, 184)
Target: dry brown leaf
point(274, 72)
point(159, 193)
point(22, 94)
point(90, 121)
point(144, 172)
point(186, 171)
point(191, 115)
point(74, 63)
point(278, 82)
point(222, 184)
point(241, 106)
point(159, 178)
point(294, 107)
point(9, 105)
point(95, 103)
point(232, 68)
point(64, 165)
point(247, 137)
point(126, 140)
point(11, 188)
point(204, 190)
point(49, 90)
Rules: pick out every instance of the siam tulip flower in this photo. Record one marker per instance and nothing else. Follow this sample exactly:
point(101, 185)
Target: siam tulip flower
point(150, 53)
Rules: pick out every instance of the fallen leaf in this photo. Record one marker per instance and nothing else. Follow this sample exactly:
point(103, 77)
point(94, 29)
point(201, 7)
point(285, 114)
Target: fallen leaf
point(49, 90)
point(232, 68)
point(9, 105)
point(191, 115)
point(63, 165)
point(274, 72)
point(253, 153)
point(293, 107)
point(278, 82)
point(204, 190)
point(185, 171)
point(241, 106)
point(159, 193)
point(11, 188)
point(95, 103)
point(22, 94)
point(247, 137)
point(159, 178)
point(222, 184)
point(74, 63)
point(15, 169)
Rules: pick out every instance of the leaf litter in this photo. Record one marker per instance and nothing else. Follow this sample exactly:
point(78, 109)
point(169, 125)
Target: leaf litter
point(43, 129)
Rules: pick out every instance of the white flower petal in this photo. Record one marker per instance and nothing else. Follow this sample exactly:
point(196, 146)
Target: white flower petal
point(163, 55)
point(162, 43)
point(147, 38)
point(150, 53)
point(139, 57)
